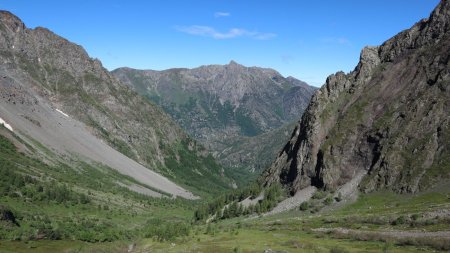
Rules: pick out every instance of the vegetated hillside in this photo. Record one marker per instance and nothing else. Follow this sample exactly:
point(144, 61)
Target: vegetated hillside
point(54, 93)
point(221, 105)
point(389, 117)
point(71, 199)
point(257, 151)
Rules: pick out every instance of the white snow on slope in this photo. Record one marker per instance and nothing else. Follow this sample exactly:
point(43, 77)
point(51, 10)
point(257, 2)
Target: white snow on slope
point(8, 126)
point(58, 110)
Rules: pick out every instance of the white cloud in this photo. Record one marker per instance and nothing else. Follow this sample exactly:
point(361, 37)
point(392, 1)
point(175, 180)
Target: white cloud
point(208, 31)
point(220, 14)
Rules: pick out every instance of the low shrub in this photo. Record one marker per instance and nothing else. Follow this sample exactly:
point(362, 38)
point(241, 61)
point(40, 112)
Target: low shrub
point(338, 250)
point(319, 195)
point(399, 221)
point(304, 206)
point(328, 201)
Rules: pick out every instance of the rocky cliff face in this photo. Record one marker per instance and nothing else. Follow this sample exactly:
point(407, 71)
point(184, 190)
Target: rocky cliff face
point(39, 67)
point(389, 117)
point(221, 105)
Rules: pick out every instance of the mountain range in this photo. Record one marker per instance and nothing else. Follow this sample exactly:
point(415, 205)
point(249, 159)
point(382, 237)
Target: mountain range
point(226, 106)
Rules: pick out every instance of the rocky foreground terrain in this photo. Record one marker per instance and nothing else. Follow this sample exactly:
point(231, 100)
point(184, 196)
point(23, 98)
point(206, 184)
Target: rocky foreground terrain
point(389, 117)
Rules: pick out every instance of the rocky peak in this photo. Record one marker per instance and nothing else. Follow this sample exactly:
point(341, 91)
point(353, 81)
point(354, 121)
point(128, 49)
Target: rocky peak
point(425, 32)
point(233, 63)
point(11, 21)
point(439, 22)
point(369, 59)
point(43, 47)
point(441, 17)
point(234, 67)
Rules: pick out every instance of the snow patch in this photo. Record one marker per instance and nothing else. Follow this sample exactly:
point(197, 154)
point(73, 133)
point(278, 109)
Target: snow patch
point(8, 126)
point(58, 110)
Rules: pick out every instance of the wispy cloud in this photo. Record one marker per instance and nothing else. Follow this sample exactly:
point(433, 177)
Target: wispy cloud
point(208, 31)
point(220, 14)
point(334, 40)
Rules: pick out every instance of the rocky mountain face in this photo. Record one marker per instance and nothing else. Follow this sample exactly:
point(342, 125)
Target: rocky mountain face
point(42, 73)
point(389, 118)
point(222, 105)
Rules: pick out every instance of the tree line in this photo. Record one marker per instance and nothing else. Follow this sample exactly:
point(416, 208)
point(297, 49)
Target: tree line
point(229, 205)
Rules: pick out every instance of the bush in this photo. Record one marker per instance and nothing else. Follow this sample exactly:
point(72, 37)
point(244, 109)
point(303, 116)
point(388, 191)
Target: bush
point(338, 250)
point(304, 206)
point(328, 201)
point(415, 217)
point(399, 221)
point(319, 195)
point(166, 230)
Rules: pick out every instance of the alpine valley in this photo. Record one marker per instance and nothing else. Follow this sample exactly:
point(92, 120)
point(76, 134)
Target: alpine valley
point(224, 158)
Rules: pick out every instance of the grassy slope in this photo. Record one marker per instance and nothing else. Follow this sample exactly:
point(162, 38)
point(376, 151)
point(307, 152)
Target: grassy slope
point(73, 200)
point(294, 231)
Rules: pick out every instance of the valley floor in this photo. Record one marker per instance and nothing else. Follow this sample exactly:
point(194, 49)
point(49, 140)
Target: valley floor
point(377, 222)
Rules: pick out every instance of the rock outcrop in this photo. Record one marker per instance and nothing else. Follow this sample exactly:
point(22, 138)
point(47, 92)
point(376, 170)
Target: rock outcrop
point(390, 117)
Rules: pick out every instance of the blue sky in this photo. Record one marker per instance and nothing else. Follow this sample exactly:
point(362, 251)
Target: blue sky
point(305, 39)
